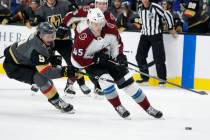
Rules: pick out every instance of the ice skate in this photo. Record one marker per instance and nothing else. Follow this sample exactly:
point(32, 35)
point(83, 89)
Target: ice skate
point(143, 82)
point(162, 84)
point(62, 105)
point(85, 89)
point(69, 89)
point(123, 112)
point(154, 112)
point(34, 88)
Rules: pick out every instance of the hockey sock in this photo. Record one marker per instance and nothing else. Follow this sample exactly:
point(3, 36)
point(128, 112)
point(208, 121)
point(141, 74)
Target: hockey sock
point(112, 96)
point(109, 91)
point(71, 80)
point(137, 95)
point(49, 91)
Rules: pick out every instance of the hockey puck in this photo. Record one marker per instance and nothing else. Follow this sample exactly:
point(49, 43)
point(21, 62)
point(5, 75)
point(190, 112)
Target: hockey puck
point(188, 128)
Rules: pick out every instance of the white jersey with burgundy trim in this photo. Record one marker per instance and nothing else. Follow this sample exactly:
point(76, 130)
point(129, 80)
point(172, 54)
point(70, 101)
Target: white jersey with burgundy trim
point(80, 17)
point(86, 45)
point(81, 14)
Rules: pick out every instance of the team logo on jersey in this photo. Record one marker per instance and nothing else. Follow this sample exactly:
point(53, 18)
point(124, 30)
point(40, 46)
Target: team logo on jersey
point(83, 36)
point(55, 20)
point(150, 15)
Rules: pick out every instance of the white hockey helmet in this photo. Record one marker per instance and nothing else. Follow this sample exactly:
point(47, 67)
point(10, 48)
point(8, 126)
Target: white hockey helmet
point(106, 1)
point(96, 15)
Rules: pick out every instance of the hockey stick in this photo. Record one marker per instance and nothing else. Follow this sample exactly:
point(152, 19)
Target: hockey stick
point(145, 74)
point(10, 45)
point(108, 80)
point(128, 51)
point(1, 56)
point(176, 85)
point(96, 77)
point(148, 65)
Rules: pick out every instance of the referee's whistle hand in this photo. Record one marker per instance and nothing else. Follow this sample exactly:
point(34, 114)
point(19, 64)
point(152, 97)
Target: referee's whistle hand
point(173, 33)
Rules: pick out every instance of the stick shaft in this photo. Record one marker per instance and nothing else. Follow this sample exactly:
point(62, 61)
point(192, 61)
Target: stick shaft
point(176, 85)
point(1, 56)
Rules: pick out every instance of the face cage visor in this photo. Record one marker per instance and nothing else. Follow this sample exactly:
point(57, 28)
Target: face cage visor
point(51, 36)
point(100, 22)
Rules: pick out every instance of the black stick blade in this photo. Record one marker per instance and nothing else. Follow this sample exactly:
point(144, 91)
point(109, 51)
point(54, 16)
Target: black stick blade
point(203, 93)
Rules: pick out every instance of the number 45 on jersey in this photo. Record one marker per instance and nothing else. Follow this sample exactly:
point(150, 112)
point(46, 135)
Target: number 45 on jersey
point(78, 52)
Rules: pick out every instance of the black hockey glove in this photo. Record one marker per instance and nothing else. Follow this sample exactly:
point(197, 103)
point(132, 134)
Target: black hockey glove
point(56, 60)
point(73, 6)
point(62, 31)
point(69, 71)
point(122, 60)
point(101, 58)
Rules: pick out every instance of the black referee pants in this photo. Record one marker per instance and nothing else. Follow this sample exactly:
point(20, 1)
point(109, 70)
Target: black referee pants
point(64, 47)
point(156, 42)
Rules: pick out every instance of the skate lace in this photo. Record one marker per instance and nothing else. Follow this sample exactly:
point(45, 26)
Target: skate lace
point(151, 110)
point(69, 87)
point(120, 109)
point(62, 104)
point(84, 87)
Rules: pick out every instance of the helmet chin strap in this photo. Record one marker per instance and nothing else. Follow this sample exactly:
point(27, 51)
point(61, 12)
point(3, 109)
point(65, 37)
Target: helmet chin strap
point(52, 44)
point(91, 28)
point(95, 33)
point(49, 44)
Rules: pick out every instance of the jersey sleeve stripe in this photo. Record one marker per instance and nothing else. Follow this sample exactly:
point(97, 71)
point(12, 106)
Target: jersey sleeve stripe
point(43, 68)
point(13, 56)
point(50, 92)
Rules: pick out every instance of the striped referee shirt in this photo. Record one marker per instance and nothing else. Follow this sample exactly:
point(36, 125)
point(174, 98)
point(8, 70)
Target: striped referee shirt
point(151, 19)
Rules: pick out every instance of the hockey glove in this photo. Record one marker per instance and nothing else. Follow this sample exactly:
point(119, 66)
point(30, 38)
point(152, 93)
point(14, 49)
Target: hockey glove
point(101, 58)
point(73, 6)
point(68, 71)
point(56, 60)
point(62, 31)
point(5, 21)
point(122, 60)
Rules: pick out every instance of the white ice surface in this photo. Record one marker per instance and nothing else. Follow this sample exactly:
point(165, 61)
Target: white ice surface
point(26, 117)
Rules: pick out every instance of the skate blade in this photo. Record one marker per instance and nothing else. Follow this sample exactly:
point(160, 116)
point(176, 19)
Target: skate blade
point(73, 111)
point(127, 118)
point(162, 118)
point(34, 93)
point(88, 95)
point(69, 96)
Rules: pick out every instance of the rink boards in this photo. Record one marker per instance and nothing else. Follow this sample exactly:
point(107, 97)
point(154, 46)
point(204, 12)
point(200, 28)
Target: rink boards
point(187, 57)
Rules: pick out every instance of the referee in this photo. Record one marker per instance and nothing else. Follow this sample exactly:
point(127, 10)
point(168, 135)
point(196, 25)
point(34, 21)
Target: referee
point(152, 15)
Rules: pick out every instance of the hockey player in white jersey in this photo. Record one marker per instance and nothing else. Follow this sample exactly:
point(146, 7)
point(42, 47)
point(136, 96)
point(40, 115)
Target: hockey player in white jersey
point(95, 49)
point(80, 18)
